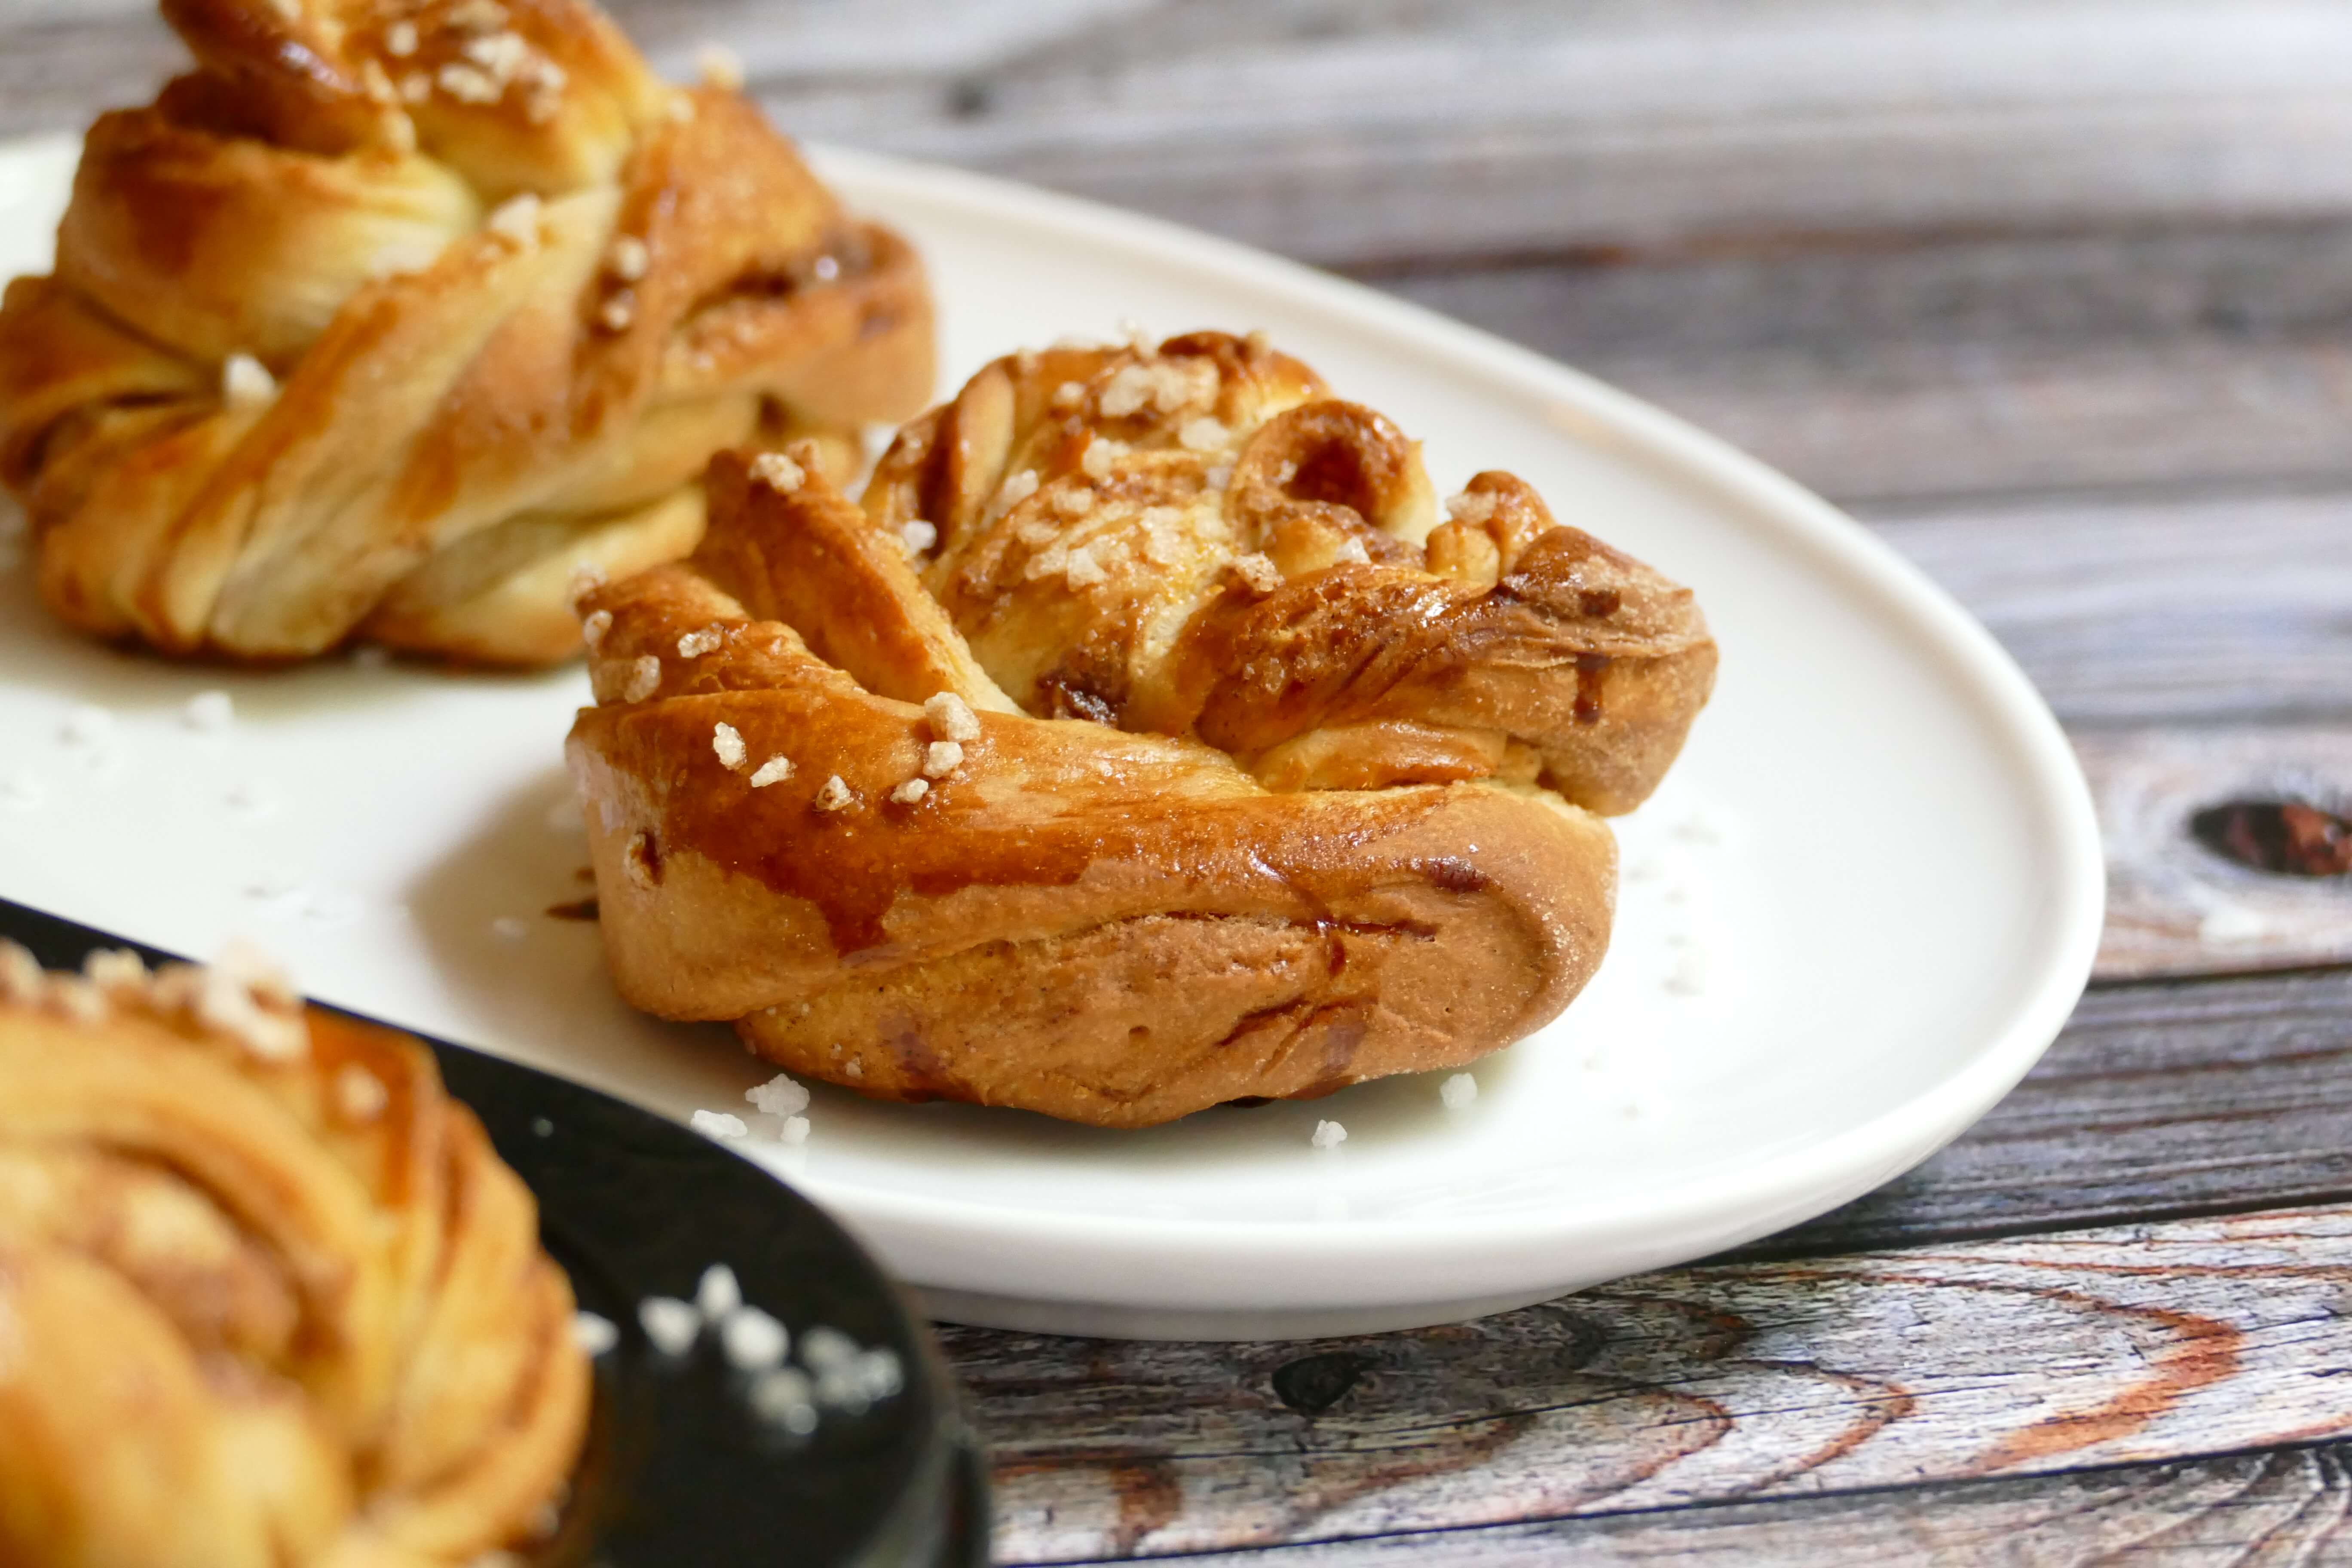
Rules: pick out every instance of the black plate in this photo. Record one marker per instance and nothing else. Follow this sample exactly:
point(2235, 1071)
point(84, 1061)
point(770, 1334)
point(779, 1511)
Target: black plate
point(677, 1470)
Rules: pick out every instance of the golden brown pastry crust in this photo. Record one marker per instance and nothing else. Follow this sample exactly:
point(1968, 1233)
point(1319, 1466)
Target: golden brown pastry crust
point(1227, 809)
point(270, 1296)
point(513, 292)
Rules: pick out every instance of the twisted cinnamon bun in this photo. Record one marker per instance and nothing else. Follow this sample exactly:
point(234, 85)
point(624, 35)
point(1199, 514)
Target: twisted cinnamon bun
point(1145, 741)
point(267, 1295)
point(394, 314)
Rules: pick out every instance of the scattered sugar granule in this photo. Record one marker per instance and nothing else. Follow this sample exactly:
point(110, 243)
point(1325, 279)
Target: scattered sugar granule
point(509, 928)
point(468, 84)
point(1136, 336)
point(719, 67)
point(694, 645)
point(1353, 551)
point(718, 1124)
point(826, 269)
point(950, 717)
point(627, 258)
point(224, 1005)
point(910, 792)
point(517, 217)
point(775, 770)
point(785, 1398)
point(586, 578)
point(1074, 501)
point(1202, 435)
point(1037, 533)
point(400, 39)
point(644, 679)
point(753, 1341)
point(1081, 568)
point(476, 16)
point(1101, 457)
point(21, 978)
point(1259, 571)
point(592, 629)
point(22, 790)
point(246, 382)
point(824, 1348)
point(728, 743)
point(1329, 1135)
point(1017, 489)
point(796, 1129)
point(1218, 476)
point(853, 1069)
point(1068, 395)
point(87, 725)
point(594, 1334)
point(416, 88)
point(717, 1293)
point(780, 1096)
point(833, 795)
point(1130, 388)
point(941, 758)
point(778, 472)
point(618, 312)
point(208, 713)
point(502, 56)
point(360, 1094)
point(671, 1324)
point(1459, 1093)
point(917, 534)
point(114, 969)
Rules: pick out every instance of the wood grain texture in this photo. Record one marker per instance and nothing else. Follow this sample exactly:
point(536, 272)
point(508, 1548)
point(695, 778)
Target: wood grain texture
point(2134, 610)
point(2159, 1099)
point(1349, 132)
point(1952, 364)
point(1697, 1386)
point(2242, 1511)
point(2175, 907)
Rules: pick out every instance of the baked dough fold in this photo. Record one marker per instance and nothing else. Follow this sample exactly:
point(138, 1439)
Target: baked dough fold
point(1143, 743)
point(268, 1297)
point(392, 315)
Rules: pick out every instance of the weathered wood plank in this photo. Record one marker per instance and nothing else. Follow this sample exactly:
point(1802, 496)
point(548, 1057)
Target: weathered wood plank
point(1347, 132)
point(2174, 906)
point(2284, 1507)
point(1968, 365)
point(2131, 610)
point(1746, 1381)
point(2158, 1098)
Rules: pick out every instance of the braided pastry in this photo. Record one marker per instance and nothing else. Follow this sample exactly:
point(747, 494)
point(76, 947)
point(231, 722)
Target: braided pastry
point(394, 314)
point(267, 1295)
point(1144, 742)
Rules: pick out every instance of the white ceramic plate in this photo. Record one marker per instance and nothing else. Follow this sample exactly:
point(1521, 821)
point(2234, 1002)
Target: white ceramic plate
point(1863, 904)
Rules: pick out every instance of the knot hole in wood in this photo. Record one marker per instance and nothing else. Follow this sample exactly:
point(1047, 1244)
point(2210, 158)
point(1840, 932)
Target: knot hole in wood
point(2287, 837)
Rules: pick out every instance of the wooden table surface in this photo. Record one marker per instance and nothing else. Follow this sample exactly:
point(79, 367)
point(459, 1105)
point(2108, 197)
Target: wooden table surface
point(2056, 296)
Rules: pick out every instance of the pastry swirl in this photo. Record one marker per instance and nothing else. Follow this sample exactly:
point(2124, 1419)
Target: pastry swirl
point(394, 314)
point(1145, 741)
point(267, 1295)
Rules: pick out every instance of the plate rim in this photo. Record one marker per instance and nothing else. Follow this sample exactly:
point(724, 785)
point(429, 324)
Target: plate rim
point(1174, 1262)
